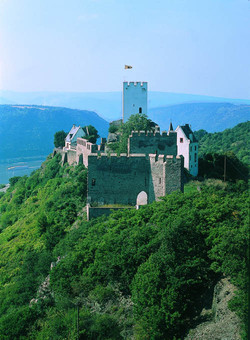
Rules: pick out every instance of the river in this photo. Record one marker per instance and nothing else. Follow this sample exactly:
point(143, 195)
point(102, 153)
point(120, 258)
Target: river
point(18, 167)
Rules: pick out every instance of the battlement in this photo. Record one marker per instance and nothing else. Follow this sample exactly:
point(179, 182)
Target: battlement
point(106, 156)
point(151, 134)
point(135, 83)
point(163, 158)
point(84, 143)
point(152, 142)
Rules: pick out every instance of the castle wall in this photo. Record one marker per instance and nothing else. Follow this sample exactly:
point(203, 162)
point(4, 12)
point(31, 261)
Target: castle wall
point(85, 148)
point(134, 98)
point(157, 179)
point(117, 180)
point(174, 174)
point(151, 143)
point(71, 156)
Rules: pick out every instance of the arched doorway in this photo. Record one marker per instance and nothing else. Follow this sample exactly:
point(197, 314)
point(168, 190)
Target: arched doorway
point(142, 198)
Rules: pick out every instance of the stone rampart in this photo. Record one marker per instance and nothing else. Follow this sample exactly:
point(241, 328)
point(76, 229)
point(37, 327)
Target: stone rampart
point(117, 180)
point(71, 156)
point(174, 175)
point(120, 179)
point(148, 143)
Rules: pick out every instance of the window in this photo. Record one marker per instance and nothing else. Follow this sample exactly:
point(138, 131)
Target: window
point(93, 182)
point(159, 180)
point(140, 110)
point(190, 157)
point(195, 148)
point(190, 148)
point(181, 140)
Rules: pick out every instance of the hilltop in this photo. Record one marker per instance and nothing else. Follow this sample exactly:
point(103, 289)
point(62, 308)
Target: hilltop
point(135, 274)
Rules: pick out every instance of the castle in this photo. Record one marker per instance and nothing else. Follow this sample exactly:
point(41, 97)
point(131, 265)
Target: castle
point(152, 167)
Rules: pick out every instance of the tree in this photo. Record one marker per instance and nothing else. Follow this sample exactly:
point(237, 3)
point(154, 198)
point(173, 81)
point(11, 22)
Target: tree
point(136, 122)
point(91, 133)
point(59, 138)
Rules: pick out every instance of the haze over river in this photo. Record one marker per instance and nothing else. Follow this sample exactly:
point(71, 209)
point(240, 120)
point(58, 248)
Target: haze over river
point(16, 167)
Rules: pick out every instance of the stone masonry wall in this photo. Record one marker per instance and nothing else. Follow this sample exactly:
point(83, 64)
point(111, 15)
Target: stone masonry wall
point(71, 156)
point(150, 143)
point(174, 174)
point(119, 180)
point(157, 179)
point(85, 148)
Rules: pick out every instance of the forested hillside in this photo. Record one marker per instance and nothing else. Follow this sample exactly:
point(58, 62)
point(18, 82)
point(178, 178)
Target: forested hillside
point(28, 131)
point(140, 274)
point(235, 140)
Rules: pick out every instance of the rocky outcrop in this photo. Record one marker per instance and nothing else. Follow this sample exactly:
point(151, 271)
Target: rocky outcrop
point(44, 293)
point(221, 323)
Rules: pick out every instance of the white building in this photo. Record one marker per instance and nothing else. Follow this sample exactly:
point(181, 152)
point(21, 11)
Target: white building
point(187, 146)
point(71, 138)
point(135, 98)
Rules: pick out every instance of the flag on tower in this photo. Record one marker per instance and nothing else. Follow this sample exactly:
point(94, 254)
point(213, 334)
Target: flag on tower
point(127, 67)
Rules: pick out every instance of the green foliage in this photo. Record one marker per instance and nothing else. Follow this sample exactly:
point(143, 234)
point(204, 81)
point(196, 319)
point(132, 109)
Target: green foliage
point(34, 215)
point(59, 138)
point(136, 122)
point(113, 128)
point(165, 262)
point(213, 166)
point(14, 324)
point(14, 180)
point(234, 140)
point(200, 134)
point(139, 274)
point(91, 133)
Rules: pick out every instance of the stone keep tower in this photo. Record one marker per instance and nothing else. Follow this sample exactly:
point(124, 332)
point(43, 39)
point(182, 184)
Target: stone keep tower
point(134, 98)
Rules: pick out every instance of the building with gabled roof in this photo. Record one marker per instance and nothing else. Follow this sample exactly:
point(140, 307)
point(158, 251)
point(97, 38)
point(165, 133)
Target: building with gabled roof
point(187, 146)
point(71, 138)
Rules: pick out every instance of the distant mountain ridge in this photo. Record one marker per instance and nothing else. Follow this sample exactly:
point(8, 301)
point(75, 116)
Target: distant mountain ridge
point(107, 104)
point(28, 130)
point(212, 117)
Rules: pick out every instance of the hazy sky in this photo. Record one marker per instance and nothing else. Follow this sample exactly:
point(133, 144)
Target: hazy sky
point(186, 46)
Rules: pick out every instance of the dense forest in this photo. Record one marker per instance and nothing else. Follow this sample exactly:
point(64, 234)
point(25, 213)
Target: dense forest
point(235, 140)
point(139, 274)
